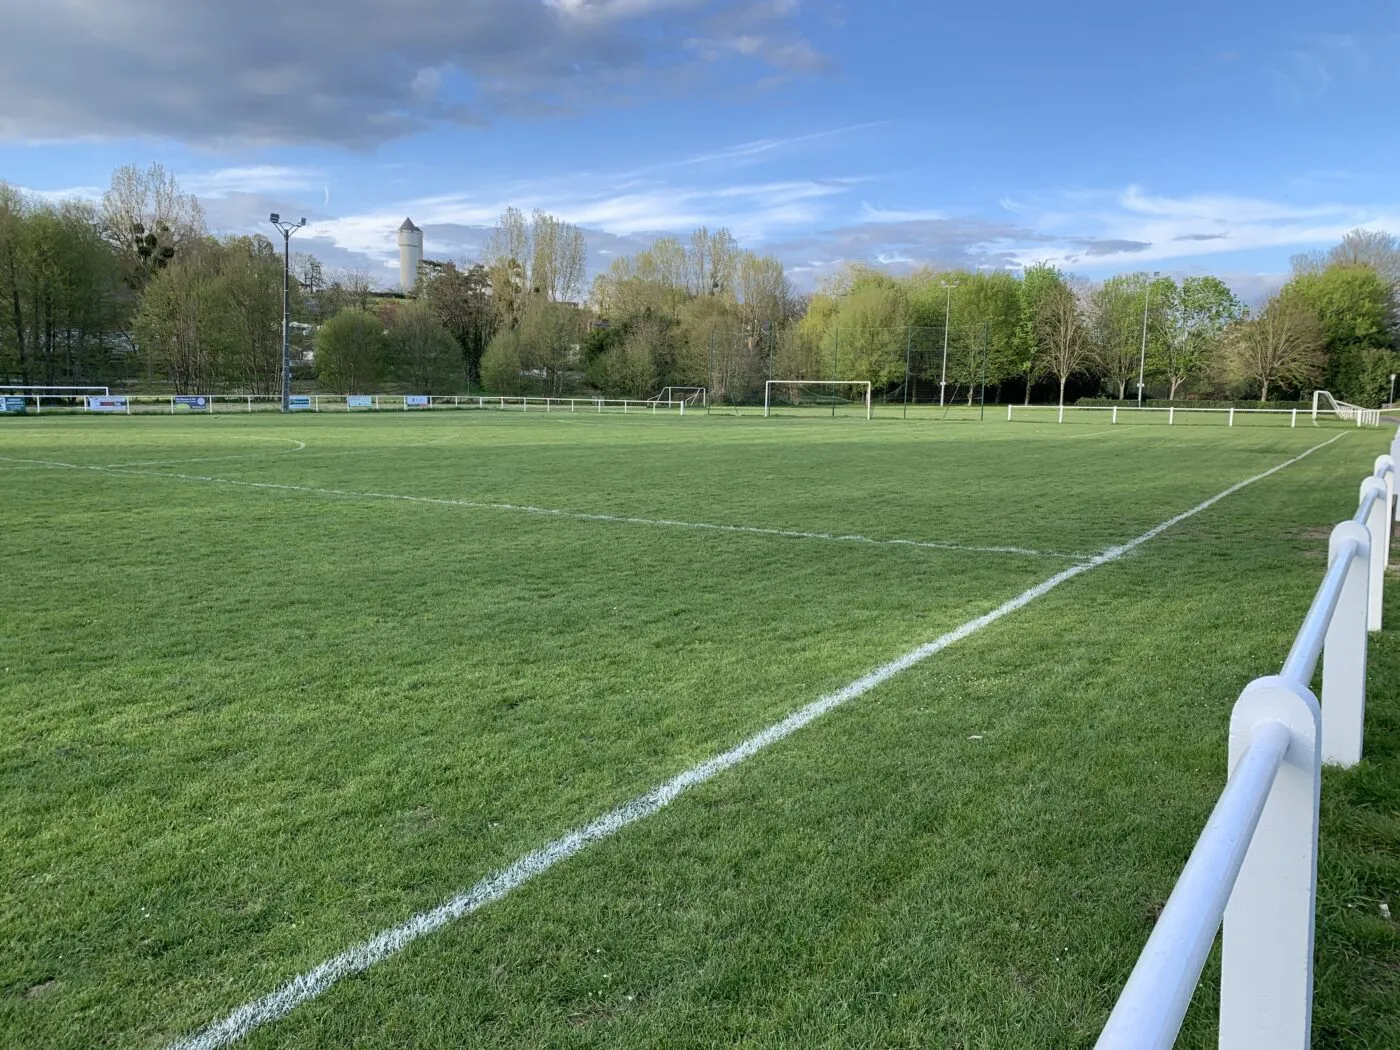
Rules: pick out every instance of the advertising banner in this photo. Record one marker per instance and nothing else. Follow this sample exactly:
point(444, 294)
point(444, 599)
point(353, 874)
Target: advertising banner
point(191, 402)
point(359, 401)
point(106, 404)
point(416, 401)
point(299, 402)
point(10, 403)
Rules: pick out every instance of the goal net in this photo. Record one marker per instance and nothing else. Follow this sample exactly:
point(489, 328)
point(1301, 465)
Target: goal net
point(831, 397)
point(678, 395)
point(1327, 405)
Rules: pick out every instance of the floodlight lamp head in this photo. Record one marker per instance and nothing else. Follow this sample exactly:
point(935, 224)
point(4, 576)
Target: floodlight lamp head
point(303, 221)
point(274, 217)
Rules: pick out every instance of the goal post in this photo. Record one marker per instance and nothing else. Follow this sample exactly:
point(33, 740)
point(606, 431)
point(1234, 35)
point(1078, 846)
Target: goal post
point(861, 387)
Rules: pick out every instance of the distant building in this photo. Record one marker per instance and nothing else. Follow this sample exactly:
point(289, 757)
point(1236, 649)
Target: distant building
point(410, 255)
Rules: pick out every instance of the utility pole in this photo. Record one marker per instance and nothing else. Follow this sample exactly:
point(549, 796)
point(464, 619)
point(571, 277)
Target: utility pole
point(1142, 359)
point(287, 228)
point(947, 313)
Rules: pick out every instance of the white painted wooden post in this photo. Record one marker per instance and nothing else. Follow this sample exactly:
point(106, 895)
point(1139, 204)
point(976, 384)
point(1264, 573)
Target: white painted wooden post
point(1062, 413)
point(1232, 416)
point(1378, 524)
point(172, 406)
point(1395, 456)
point(1266, 965)
point(682, 408)
point(1008, 413)
point(1171, 415)
point(1344, 653)
point(1115, 413)
point(1294, 424)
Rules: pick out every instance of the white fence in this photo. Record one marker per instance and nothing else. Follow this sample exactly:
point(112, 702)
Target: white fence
point(1362, 417)
point(146, 404)
point(1254, 867)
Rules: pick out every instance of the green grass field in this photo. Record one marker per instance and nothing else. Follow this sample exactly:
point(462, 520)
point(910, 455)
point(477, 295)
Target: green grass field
point(271, 685)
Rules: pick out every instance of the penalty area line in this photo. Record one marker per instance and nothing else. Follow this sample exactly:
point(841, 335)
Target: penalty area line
point(552, 512)
point(387, 943)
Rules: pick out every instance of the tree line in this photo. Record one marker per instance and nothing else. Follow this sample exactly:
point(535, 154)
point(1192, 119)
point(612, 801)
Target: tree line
point(131, 290)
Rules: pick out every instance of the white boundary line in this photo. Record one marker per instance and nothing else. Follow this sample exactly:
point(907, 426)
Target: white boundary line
point(751, 530)
point(390, 942)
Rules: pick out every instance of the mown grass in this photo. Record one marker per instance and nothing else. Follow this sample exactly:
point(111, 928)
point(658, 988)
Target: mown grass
point(245, 728)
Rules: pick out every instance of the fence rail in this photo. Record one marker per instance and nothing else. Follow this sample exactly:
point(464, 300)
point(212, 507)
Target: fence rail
point(1253, 871)
point(1363, 417)
point(170, 404)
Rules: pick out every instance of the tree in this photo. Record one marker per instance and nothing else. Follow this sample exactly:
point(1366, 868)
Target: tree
point(1123, 311)
point(1194, 321)
point(543, 256)
point(246, 298)
point(461, 301)
point(148, 219)
point(1373, 248)
point(177, 326)
point(1355, 306)
point(423, 356)
point(1061, 330)
point(1038, 282)
point(351, 352)
point(631, 367)
point(1283, 344)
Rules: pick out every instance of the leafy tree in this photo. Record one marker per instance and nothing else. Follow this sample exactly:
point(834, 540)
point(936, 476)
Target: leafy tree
point(631, 367)
point(1039, 281)
point(1283, 345)
point(461, 301)
point(1061, 329)
point(1355, 307)
point(1194, 322)
point(423, 356)
point(351, 353)
point(1121, 310)
point(503, 366)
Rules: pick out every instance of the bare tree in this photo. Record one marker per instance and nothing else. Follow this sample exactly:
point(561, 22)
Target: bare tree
point(1062, 333)
point(542, 256)
point(1374, 248)
point(1281, 345)
point(147, 218)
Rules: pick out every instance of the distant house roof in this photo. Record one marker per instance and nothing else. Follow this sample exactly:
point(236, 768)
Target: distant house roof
point(407, 225)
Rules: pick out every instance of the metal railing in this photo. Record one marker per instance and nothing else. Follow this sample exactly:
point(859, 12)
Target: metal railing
point(1362, 417)
point(170, 404)
point(1253, 871)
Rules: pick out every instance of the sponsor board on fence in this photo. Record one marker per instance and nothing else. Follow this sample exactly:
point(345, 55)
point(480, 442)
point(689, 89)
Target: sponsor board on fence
point(191, 402)
point(10, 403)
point(416, 401)
point(299, 402)
point(359, 401)
point(106, 404)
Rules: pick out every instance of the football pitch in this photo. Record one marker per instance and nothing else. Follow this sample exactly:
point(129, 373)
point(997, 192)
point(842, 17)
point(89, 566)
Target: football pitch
point(481, 729)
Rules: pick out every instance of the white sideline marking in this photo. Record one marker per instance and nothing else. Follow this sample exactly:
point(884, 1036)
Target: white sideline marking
point(389, 942)
point(752, 530)
point(208, 459)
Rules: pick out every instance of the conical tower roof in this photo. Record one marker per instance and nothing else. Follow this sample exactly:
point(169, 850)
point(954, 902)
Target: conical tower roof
point(407, 225)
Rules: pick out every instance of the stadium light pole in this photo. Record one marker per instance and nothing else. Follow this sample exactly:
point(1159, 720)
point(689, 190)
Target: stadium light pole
point(287, 229)
point(1392, 388)
point(947, 313)
point(1142, 359)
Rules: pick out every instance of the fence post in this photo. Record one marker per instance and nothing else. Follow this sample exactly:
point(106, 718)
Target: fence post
point(1115, 414)
point(1344, 652)
point(1385, 469)
point(1062, 413)
point(1008, 413)
point(1378, 524)
point(1266, 959)
point(1171, 415)
point(1232, 415)
point(1294, 424)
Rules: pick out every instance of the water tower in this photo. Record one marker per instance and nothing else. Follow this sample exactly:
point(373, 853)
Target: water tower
point(410, 255)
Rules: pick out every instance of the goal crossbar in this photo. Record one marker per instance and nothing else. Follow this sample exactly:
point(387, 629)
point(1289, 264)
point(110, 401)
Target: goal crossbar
point(771, 383)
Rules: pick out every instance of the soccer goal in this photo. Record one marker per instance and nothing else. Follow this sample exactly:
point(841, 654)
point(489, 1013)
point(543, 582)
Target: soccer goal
point(681, 395)
point(816, 394)
point(1344, 410)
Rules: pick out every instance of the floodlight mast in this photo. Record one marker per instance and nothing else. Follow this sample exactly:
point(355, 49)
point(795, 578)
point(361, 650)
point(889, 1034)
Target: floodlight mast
point(287, 228)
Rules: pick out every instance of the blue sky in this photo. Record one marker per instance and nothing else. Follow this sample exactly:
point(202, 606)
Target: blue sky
point(1188, 138)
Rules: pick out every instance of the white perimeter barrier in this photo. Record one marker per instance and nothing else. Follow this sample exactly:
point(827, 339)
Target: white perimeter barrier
point(1366, 417)
point(1254, 866)
point(147, 404)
